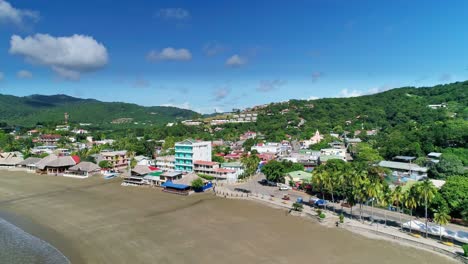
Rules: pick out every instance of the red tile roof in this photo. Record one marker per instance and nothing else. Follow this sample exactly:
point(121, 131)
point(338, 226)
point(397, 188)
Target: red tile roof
point(206, 163)
point(222, 170)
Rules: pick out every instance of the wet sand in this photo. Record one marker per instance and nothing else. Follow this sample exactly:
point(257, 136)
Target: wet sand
point(98, 221)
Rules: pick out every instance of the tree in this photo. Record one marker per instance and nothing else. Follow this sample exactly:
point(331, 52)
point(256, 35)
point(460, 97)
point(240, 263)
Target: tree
point(274, 171)
point(441, 217)
point(169, 142)
point(250, 163)
point(455, 193)
point(366, 153)
point(218, 159)
point(426, 191)
point(449, 165)
point(197, 184)
point(397, 197)
point(105, 164)
point(385, 199)
point(411, 201)
point(464, 212)
point(373, 189)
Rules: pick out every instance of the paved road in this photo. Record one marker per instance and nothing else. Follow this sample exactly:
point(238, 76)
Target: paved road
point(393, 218)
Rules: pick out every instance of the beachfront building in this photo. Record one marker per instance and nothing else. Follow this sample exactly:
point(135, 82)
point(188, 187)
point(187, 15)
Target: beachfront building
point(117, 159)
point(213, 169)
point(54, 165)
point(170, 176)
point(29, 164)
point(188, 151)
point(237, 167)
point(165, 163)
point(82, 170)
point(9, 160)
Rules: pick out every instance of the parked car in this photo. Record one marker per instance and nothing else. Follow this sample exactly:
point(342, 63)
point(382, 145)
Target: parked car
point(272, 183)
point(284, 187)
point(263, 182)
point(242, 190)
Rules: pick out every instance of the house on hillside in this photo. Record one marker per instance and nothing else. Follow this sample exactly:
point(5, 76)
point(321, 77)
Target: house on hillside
point(49, 139)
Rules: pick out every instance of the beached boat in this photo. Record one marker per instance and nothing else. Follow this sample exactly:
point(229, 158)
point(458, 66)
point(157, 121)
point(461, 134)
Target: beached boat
point(110, 174)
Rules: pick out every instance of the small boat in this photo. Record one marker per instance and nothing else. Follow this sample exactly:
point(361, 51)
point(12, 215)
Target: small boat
point(110, 174)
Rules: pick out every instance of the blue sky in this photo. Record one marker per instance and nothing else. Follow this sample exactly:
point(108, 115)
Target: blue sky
point(207, 55)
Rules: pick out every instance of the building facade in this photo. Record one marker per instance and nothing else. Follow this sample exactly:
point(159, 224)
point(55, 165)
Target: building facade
point(188, 151)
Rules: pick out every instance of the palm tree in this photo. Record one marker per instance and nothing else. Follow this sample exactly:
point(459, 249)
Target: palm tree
point(385, 199)
point(441, 217)
point(319, 179)
point(426, 192)
point(359, 189)
point(397, 197)
point(373, 190)
point(411, 202)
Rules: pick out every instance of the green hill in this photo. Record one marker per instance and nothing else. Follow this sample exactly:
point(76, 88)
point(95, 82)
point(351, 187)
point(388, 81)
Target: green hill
point(30, 110)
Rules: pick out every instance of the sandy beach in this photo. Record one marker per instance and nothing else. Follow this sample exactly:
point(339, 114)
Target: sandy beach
point(98, 221)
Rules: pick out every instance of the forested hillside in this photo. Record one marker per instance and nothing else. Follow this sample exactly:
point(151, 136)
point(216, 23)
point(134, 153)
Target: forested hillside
point(30, 110)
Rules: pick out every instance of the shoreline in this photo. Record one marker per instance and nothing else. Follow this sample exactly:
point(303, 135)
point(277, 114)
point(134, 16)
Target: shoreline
point(329, 222)
point(46, 235)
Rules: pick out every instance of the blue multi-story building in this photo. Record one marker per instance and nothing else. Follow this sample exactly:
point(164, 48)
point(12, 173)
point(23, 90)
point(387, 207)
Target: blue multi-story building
point(188, 151)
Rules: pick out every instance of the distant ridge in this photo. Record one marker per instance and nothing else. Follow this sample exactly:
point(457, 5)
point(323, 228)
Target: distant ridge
point(33, 109)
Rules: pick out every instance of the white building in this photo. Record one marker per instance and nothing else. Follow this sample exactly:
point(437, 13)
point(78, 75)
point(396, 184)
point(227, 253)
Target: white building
point(165, 163)
point(270, 147)
point(333, 152)
point(188, 151)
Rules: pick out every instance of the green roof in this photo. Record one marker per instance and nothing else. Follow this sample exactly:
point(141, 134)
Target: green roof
point(300, 175)
point(156, 173)
point(330, 157)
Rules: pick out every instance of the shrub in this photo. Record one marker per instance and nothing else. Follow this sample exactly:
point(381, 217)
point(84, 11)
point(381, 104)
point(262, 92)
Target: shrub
point(322, 215)
point(341, 218)
point(297, 207)
point(319, 211)
point(465, 250)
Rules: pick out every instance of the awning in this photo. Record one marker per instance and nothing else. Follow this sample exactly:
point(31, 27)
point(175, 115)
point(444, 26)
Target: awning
point(175, 186)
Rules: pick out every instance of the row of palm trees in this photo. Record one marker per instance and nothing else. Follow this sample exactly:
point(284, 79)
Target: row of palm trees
point(360, 184)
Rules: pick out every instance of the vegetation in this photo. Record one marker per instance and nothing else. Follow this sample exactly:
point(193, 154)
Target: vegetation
point(465, 250)
point(105, 164)
point(441, 217)
point(29, 110)
point(276, 170)
point(297, 207)
point(197, 184)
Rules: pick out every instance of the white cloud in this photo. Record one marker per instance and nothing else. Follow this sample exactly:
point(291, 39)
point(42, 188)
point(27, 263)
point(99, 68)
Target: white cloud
point(69, 57)
point(169, 54)
point(313, 98)
point(213, 49)
point(316, 76)
point(18, 17)
point(2, 76)
point(349, 93)
point(221, 93)
point(446, 77)
point(185, 105)
point(174, 13)
point(24, 74)
point(270, 85)
point(236, 61)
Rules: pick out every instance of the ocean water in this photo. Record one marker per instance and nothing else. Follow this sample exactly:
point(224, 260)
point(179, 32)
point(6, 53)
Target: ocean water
point(19, 247)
